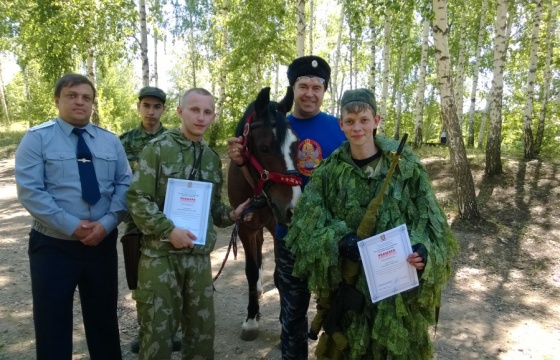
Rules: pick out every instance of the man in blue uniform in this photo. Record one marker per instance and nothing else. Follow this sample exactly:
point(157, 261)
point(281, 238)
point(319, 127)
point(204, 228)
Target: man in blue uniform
point(72, 177)
point(319, 135)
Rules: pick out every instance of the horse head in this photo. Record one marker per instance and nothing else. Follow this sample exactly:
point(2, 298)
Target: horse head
point(270, 148)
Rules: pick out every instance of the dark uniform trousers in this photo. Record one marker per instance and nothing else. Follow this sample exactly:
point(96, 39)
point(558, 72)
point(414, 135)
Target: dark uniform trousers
point(294, 302)
point(57, 267)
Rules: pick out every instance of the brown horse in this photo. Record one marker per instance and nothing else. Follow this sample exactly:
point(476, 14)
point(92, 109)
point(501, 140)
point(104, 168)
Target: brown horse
point(270, 178)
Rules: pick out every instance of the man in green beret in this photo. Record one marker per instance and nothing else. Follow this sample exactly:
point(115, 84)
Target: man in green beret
point(323, 232)
point(151, 106)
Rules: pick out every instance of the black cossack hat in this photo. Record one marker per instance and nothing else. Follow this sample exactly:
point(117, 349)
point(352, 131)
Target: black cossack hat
point(309, 66)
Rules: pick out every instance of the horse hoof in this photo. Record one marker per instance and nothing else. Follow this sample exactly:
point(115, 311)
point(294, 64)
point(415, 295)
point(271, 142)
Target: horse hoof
point(249, 335)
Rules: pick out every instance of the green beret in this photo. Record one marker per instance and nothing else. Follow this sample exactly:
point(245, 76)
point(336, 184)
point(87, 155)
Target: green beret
point(359, 95)
point(152, 91)
point(309, 66)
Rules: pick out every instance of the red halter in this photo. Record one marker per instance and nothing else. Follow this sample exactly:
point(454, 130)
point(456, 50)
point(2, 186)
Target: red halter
point(264, 175)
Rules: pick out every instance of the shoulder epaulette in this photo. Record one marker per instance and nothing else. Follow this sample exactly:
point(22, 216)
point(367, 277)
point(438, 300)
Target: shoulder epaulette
point(100, 128)
point(43, 125)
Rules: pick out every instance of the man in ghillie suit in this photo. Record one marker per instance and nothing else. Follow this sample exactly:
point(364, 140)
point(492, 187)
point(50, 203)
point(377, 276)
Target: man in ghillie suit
point(323, 236)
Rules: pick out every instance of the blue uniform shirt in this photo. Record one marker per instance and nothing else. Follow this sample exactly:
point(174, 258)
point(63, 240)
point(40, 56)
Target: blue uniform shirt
point(48, 181)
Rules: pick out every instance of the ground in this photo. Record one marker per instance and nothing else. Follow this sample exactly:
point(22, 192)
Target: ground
point(501, 302)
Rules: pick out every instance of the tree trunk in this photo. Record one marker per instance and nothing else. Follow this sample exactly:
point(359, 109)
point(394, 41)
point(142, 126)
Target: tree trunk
point(547, 75)
point(311, 20)
point(465, 193)
point(386, 68)
point(373, 30)
point(419, 112)
point(334, 77)
point(532, 74)
point(476, 70)
point(300, 37)
point(156, 76)
point(494, 140)
point(91, 76)
point(483, 120)
point(27, 89)
point(398, 117)
point(3, 97)
point(460, 84)
point(144, 43)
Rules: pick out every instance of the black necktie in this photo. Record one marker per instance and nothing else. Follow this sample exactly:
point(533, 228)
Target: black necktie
point(90, 186)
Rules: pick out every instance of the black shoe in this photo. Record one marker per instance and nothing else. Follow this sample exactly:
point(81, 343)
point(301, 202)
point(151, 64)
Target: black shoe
point(135, 345)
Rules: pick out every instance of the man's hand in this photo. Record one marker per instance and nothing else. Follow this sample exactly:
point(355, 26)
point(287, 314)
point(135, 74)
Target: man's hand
point(182, 238)
point(416, 260)
point(81, 231)
point(238, 210)
point(96, 235)
point(235, 150)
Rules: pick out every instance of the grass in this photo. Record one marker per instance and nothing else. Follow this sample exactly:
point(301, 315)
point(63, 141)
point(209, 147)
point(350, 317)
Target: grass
point(10, 136)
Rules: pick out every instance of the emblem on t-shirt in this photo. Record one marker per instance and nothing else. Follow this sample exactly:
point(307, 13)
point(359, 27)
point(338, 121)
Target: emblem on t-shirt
point(309, 156)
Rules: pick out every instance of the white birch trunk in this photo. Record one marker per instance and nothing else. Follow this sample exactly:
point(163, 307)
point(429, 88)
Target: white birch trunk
point(156, 76)
point(476, 70)
point(494, 141)
point(300, 36)
point(551, 29)
point(530, 93)
point(460, 83)
point(311, 21)
point(466, 197)
point(385, 73)
point(373, 31)
point(334, 76)
point(400, 87)
point(144, 43)
point(3, 96)
point(419, 112)
point(91, 76)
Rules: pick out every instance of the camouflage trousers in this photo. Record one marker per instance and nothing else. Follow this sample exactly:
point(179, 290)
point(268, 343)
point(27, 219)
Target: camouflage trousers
point(175, 290)
point(294, 302)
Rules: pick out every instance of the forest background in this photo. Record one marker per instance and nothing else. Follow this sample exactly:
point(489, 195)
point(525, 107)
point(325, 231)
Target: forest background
point(486, 71)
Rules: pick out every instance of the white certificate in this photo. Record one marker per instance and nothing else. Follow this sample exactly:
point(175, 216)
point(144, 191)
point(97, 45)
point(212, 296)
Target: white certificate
point(187, 204)
point(384, 259)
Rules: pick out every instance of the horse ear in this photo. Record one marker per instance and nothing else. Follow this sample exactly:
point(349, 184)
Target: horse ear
point(285, 105)
point(263, 99)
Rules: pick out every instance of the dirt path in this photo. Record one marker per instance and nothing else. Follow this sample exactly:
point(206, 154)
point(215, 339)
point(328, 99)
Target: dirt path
point(502, 302)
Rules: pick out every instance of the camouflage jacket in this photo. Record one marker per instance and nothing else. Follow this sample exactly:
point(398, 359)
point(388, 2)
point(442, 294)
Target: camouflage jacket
point(334, 205)
point(172, 155)
point(134, 141)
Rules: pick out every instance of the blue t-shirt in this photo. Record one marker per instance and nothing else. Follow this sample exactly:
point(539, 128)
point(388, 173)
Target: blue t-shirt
point(319, 136)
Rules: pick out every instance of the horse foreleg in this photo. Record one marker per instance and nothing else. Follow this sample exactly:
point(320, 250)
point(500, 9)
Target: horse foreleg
point(252, 244)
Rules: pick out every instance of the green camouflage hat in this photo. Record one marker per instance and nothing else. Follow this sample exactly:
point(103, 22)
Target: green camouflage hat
point(152, 91)
point(359, 95)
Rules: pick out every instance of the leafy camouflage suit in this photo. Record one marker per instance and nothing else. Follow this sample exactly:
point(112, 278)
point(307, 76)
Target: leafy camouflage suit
point(333, 204)
point(174, 284)
point(133, 142)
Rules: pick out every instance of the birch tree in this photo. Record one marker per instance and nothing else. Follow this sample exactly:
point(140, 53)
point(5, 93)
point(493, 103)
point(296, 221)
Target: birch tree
point(400, 86)
point(494, 142)
point(144, 43)
point(460, 79)
point(530, 89)
point(335, 75)
point(373, 47)
point(90, 65)
point(3, 96)
point(311, 21)
point(464, 185)
point(550, 39)
point(476, 71)
point(386, 58)
point(419, 113)
point(300, 37)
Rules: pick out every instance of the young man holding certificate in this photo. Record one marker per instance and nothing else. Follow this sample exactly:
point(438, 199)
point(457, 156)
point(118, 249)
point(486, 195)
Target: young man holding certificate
point(174, 276)
point(323, 239)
